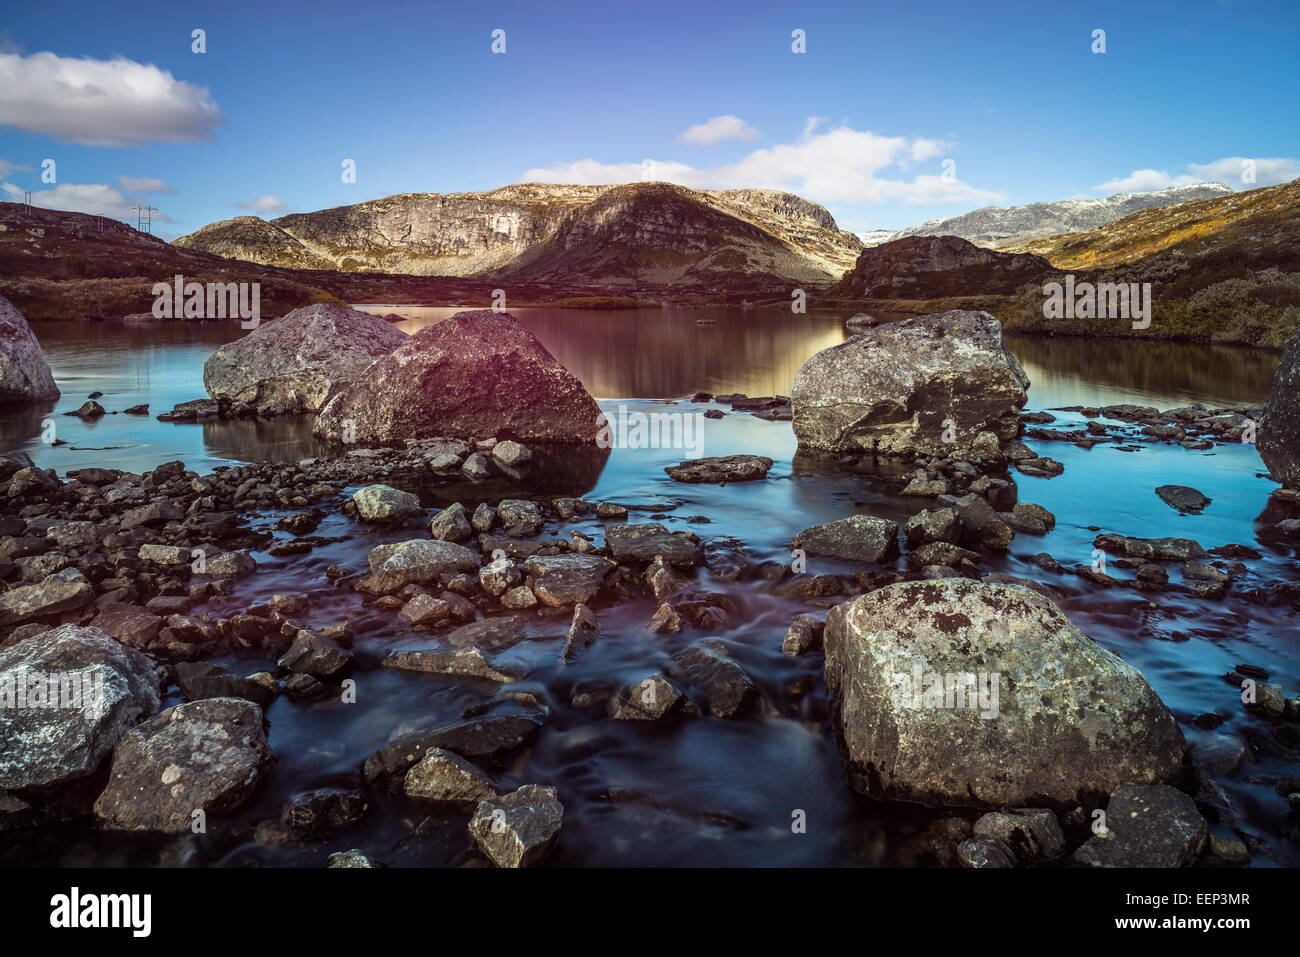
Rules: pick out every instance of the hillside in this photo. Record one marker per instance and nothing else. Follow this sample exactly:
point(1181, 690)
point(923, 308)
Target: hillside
point(660, 234)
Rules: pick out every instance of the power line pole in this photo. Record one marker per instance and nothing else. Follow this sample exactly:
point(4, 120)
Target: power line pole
point(144, 218)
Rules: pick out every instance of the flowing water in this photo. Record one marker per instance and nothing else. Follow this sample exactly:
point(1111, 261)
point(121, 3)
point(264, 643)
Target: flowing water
point(716, 792)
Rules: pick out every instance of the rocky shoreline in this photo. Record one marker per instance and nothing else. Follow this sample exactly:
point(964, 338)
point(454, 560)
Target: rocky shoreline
point(136, 580)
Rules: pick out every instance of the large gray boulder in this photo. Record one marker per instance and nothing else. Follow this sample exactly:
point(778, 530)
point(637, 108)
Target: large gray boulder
point(907, 386)
point(1278, 440)
point(416, 561)
point(296, 363)
point(208, 756)
point(1058, 721)
point(24, 372)
point(46, 744)
point(476, 374)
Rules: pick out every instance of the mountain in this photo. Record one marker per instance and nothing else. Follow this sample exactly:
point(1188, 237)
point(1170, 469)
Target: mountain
point(936, 267)
point(655, 234)
point(995, 226)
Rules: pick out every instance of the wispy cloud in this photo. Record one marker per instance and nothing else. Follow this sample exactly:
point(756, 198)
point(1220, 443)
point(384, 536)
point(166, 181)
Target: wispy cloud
point(717, 130)
point(1230, 171)
point(7, 167)
point(145, 184)
point(115, 102)
point(263, 204)
point(97, 199)
point(838, 165)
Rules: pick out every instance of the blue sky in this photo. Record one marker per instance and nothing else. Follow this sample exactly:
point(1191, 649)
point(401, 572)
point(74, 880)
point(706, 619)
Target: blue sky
point(863, 121)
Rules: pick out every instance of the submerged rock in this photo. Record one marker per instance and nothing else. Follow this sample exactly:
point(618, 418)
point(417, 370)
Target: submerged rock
point(729, 468)
point(296, 363)
point(475, 374)
point(24, 371)
point(929, 384)
point(1182, 498)
point(1045, 715)
point(207, 756)
point(105, 689)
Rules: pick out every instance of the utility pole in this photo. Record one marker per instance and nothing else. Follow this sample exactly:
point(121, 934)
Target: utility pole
point(27, 198)
point(144, 218)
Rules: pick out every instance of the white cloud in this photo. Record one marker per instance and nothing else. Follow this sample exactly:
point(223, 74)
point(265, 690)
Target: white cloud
point(96, 199)
point(1229, 171)
point(115, 102)
point(7, 167)
point(718, 129)
point(263, 204)
point(145, 184)
point(838, 165)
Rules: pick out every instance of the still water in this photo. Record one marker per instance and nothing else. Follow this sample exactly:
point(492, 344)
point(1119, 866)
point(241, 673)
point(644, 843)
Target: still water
point(723, 791)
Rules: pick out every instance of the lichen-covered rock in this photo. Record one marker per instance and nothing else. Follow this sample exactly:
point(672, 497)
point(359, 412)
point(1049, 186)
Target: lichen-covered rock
point(24, 372)
point(475, 374)
point(207, 756)
point(383, 503)
point(859, 538)
point(418, 560)
point(1147, 826)
point(930, 384)
point(296, 363)
point(560, 580)
point(520, 828)
point(62, 591)
point(1045, 717)
point(104, 687)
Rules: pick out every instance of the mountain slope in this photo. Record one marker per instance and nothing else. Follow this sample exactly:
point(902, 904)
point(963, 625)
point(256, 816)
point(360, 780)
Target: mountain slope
point(517, 230)
point(996, 225)
point(935, 267)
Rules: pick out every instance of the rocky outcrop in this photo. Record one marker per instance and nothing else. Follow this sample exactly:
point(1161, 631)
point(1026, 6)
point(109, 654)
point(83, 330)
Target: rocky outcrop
point(24, 372)
point(1279, 433)
point(473, 375)
point(931, 267)
point(84, 691)
point(297, 363)
point(930, 384)
point(956, 692)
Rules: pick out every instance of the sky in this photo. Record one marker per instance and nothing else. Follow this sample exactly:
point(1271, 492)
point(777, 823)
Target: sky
point(893, 114)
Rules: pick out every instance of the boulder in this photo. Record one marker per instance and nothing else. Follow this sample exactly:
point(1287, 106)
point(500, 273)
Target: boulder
point(1182, 498)
point(445, 778)
point(648, 541)
point(721, 469)
point(1278, 441)
point(207, 755)
point(908, 387)
point(49, 745)
point(475, 374)
point(63, 591)
point(299, 362)
point(1045, 717)
point(24, 372)
point(561, 580)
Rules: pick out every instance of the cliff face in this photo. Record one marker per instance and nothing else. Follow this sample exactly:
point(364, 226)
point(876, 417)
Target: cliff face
point(657, 233)
point(995, 225)
point(932, 267)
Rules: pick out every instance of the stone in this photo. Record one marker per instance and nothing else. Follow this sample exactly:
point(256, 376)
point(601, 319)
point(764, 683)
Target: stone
point(649, 699)
point(901, 388)
point(416, 561)
point(433, 385)
point(310, 654)
point(859, 538)
point(519, 518)
point(64, 591)
point(1069, 720)
point(1033, 834)
point(461, 662)
point(203, 679)
point(49, 746)
point(25, 374)
point(424, 610)
point(583, 631)
point(129, 624)
point(451, 524)
point(985, 850)
point(646, 542)
point(722, 469)
point(518, 829)
point(443, 777)
point(492, 740)
point(730, 693)
point(383, 503)
point(1182, 499)
point(933, 525)
point(298, 362)
point(803, 635)
point(511, 454)
point(475, 468)
point(207, 755)
point(320, 814)
point(1147, 826)
point(1278, 440)
point(561, 580)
